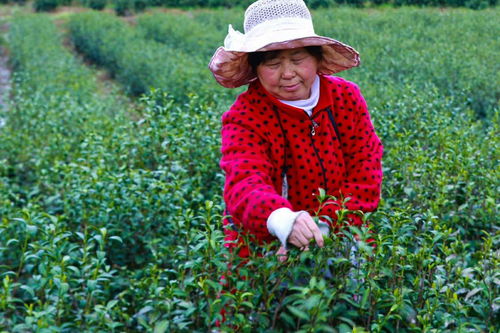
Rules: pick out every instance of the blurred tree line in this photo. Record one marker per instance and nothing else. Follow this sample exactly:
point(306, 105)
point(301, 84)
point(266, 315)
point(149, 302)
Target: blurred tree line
point(126, 7)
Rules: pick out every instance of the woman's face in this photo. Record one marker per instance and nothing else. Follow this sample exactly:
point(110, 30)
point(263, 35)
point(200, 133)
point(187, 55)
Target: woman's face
point(289, 75)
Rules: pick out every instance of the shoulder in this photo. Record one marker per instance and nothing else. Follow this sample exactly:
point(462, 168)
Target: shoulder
point(339, 84)
point(342, 92)
point(249, 107)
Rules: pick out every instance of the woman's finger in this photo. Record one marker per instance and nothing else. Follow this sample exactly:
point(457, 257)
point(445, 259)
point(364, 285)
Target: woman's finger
point(316, 233)
point(301, 227)
point(298, 239)
point(313, 230)
point(304, 230)
point(281, 253)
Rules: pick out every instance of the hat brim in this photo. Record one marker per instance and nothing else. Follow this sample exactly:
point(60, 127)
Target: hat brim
point(231, 68)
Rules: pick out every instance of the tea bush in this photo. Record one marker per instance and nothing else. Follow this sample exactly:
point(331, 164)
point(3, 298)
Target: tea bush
point(182, 33)
point(66, 225)
point(45, 5)
point(314, 4)
point(123, 7)
point(416, 55)
point(53, 272)
point(138, 63)
point(96, 4)
point(41, 58)
point(171, 155)
point(111, 215)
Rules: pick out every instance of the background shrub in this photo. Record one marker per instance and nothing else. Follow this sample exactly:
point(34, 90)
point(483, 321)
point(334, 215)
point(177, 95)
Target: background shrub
point(96, 4)
point(313, 4)
point(45, 5)
point(123, 7)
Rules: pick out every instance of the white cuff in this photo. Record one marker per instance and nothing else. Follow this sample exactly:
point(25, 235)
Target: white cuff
point(280, 223)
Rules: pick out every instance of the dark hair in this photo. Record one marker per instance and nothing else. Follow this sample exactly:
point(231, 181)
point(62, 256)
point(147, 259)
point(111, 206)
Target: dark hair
point(256, 58)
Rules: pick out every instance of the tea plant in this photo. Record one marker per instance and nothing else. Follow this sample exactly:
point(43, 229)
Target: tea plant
point(181, 32)
point(111, 217)
point(138, 63)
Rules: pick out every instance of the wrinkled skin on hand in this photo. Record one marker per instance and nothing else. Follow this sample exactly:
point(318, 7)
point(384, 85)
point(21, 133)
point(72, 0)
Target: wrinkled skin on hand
point(303, 232)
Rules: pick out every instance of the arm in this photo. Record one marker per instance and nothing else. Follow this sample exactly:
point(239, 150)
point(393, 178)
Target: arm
point(249, 192)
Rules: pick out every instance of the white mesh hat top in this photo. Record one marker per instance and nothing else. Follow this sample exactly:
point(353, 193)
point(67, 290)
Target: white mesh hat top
point(275, 25)
point(268, 10)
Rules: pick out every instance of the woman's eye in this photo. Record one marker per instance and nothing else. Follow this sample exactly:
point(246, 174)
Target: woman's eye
point(272, 64)
point(297, 60)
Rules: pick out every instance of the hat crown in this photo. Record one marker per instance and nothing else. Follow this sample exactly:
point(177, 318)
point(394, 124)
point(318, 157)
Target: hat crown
point(268, 10)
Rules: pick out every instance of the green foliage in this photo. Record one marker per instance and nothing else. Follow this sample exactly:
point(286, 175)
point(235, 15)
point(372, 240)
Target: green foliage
point(140, 64)
point(128, 7)
point(55, 273)
point(45, 5)
point(181, 32)
point(416, 55)
point(203, 3)
point(314, 4)
point(140, 5)
point(110, 216)
point(123, 7)
point(18, 2)
point(96, 4)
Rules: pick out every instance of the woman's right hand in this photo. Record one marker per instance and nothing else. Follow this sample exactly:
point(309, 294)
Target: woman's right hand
point(303, 231)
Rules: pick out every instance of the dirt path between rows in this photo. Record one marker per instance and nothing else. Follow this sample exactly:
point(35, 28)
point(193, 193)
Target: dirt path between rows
point(4, 77)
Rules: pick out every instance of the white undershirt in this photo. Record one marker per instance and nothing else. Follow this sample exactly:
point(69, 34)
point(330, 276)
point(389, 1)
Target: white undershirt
point(307, 104)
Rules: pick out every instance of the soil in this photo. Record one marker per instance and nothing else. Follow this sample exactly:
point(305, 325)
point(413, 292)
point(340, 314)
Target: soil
point(4, 78)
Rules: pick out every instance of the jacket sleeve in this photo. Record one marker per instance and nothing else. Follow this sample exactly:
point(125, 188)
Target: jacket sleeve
point(249, 193)
point(362, 151)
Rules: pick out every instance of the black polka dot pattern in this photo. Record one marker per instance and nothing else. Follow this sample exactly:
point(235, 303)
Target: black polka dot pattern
point(254, 145)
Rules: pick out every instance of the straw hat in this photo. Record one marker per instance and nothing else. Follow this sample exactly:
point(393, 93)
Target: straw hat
point(275, 25)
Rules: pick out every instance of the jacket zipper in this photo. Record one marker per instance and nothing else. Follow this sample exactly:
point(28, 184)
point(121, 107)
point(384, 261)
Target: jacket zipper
point(313, 127)
point(314, 124)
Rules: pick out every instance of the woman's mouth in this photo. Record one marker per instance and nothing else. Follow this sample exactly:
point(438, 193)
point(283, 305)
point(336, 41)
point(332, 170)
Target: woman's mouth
point(290, 88)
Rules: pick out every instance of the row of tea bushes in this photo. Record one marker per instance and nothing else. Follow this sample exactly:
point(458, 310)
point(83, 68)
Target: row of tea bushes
point(122, 7)
point(114, 234)
point(53, 268)
point(169, 149)
point(139, 64)
point(445, 49)
point(86, 194)
point(182, 32)
point(54, 129)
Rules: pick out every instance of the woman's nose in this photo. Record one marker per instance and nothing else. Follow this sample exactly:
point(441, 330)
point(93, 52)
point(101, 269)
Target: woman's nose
point(288, 71)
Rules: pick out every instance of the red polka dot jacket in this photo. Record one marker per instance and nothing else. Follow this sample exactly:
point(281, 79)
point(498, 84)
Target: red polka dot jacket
point(261, 136)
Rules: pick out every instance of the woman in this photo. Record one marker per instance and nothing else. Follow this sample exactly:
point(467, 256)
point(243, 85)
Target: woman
point(295, 130)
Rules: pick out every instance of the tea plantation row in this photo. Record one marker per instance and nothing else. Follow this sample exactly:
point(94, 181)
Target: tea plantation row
point(126, 7)
point(110, 211)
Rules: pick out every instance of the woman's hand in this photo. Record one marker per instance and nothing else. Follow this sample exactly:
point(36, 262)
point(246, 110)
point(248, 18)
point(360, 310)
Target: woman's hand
point(303, 231)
